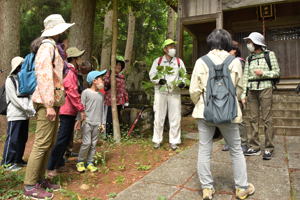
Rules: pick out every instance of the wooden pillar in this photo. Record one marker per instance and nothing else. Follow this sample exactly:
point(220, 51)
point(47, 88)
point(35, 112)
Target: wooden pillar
point(179, 31)
point(219, 20)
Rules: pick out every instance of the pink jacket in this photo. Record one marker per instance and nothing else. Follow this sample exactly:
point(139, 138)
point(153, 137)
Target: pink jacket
point(73, 103)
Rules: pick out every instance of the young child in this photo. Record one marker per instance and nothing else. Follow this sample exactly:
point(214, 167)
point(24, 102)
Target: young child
point(19, 110)
point(93, 102)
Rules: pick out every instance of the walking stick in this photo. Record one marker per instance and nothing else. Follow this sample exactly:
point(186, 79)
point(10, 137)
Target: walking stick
point(136, 121)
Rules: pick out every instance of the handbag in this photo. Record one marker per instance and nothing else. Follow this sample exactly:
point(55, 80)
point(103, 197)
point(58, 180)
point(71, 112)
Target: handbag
point(59, 97)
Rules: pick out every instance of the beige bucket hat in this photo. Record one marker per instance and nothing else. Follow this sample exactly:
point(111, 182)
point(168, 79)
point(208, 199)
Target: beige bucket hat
point(55, 24)
point(15, 63)
point(73, 52)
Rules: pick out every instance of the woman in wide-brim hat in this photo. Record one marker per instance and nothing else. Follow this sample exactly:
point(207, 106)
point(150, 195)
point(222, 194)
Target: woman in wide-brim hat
point(48, 97)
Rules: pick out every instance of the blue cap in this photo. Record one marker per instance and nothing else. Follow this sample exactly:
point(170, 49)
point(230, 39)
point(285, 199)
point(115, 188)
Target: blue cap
point(93, 75)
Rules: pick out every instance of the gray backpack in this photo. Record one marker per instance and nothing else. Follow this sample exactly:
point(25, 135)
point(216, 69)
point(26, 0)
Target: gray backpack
point(220, 103)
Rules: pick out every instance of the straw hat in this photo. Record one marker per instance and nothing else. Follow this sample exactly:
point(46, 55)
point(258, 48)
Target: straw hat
point(15, 63)
point(55, 24)
point(73, 52)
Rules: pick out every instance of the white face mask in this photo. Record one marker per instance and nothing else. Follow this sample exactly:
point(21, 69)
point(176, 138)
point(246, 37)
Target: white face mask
point(172, 52)
point(100, 86)
point(250, 47)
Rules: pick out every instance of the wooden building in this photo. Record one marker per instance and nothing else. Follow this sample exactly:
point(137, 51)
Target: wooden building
point(278, 20)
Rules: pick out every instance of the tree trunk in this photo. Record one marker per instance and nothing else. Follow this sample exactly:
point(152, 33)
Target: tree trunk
point(9, 41)
point(81, 34)
point(130, 39)
point(116, 124)
point(106, 41)
point(171, 23)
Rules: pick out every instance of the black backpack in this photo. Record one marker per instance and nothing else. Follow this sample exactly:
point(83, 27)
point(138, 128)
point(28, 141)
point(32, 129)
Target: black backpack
point(268, 61)
point(220, 105)
point(3, 103)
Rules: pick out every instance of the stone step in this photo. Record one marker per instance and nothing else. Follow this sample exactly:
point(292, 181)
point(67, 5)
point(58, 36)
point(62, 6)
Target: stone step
point(282, 130)
point(280, 113)
point(282, 121)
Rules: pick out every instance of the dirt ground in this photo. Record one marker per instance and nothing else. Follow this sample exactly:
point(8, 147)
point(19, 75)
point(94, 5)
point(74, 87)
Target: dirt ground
point(119, 166)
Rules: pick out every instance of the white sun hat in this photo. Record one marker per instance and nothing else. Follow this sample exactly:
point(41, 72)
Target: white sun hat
point(15, 63)
point(55, 24)
point(256, 38)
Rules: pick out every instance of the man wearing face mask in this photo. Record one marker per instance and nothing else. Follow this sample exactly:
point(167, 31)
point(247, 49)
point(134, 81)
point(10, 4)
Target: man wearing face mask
point(67, 112)
point(260, 69)
point(168, 100)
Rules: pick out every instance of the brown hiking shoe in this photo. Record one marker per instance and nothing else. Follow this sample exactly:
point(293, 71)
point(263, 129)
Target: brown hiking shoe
point(242, 193)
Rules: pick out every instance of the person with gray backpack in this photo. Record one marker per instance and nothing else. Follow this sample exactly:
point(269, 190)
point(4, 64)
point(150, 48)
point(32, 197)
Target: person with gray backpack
point(216, 81)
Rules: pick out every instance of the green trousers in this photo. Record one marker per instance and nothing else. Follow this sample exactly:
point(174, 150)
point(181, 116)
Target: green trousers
point(45, 136)
point(260, 99)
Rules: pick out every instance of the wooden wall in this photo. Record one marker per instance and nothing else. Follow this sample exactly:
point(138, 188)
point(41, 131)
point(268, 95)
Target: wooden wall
point(243, 21)
point(200, 7)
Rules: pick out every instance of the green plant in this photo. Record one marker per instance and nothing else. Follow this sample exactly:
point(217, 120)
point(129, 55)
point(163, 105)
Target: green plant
point(112, 195)
point(122, 167)
point(100, 158)
point(120, 179)
point(161, 198)
point(70, 194)
point(144, 167)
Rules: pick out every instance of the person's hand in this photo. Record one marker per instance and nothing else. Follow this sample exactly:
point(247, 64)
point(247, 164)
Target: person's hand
point(162, 81)
point(82, 115)
point(77, 125)
point(101, 128)
point(126, 104)
point(181, 85)
point(51, 114)
point(30, 112)
point(244, 101)
point(258, 72)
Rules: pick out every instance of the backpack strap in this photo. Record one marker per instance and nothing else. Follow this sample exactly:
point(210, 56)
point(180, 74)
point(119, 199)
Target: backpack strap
point(178, 62)
point(13, 81)
point(159, 60)
point(208, 61)
point(53, 59)
point(228, 60)
point(250, 59)
point(267, 58)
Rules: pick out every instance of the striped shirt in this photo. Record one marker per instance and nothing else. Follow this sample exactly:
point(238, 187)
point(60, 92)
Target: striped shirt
point(259, 62)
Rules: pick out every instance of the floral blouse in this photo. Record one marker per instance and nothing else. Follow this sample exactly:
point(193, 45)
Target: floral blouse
point(122, 95)
point(48, 77)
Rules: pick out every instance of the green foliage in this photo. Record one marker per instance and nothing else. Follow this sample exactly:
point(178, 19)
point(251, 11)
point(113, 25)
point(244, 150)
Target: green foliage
point(9, 181)
point(120, 179)
point(33, 13)
point(100, 158)
point(144, 167)
point(112, 195)
point(70, 194)
point(162, 198)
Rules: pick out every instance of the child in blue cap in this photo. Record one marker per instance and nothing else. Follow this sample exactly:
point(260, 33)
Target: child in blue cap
point(93, 102)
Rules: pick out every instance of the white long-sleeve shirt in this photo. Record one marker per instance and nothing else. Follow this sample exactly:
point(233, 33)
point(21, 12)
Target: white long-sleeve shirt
point(19, 108)
point(169, 78)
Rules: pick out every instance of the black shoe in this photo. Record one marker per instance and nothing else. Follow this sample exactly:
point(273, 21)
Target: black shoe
point(22, 163)
point(252, 152)
point(244, 148)
point(267, 155)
